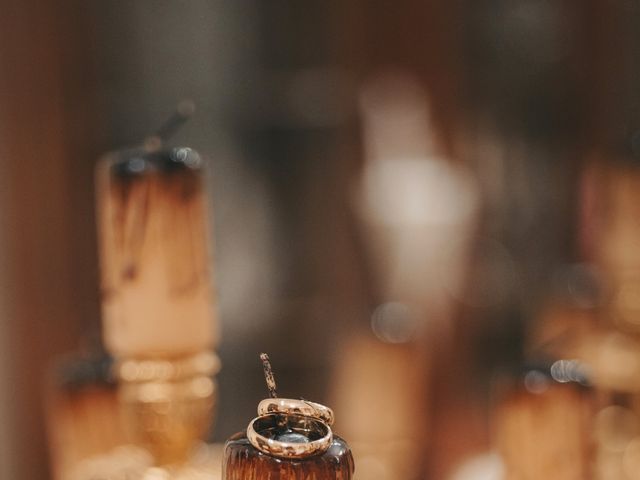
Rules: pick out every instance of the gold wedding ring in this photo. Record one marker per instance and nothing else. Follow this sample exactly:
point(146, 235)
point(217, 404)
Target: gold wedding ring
point(262, 433)
point(291, 406)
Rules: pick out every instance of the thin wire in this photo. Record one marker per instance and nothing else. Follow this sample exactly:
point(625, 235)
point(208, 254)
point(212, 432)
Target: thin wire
point(268, 375)
point(184, 111)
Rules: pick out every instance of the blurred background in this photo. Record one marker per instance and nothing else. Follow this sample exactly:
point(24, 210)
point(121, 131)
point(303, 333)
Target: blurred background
point(427, 212)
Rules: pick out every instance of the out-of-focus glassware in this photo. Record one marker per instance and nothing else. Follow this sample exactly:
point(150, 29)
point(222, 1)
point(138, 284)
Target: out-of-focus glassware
point(542, 423)
point(157, 297)
point(415, 211)
point(612, 348)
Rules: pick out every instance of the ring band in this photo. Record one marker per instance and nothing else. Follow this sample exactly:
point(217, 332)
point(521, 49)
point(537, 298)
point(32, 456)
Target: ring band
point(261, 433)
point(291, 406)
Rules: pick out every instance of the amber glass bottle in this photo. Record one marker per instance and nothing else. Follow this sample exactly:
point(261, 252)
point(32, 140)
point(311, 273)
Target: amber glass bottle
point(243, 461)
point(289, 440)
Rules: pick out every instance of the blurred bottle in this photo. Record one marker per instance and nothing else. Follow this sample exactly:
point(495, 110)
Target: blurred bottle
point(612, 236)
point(157, 297)
point(82, 412)
point(542, 423)
point(154, 248)
point(416, 210)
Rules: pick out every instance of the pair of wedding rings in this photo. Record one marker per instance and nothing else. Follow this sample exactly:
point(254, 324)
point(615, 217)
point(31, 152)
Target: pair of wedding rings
point(309, 420)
